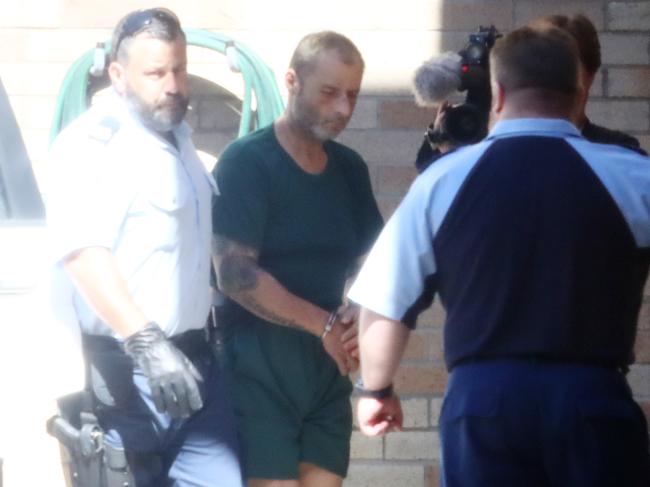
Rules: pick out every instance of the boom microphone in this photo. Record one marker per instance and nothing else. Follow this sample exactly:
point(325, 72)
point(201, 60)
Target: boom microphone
point(437, 79)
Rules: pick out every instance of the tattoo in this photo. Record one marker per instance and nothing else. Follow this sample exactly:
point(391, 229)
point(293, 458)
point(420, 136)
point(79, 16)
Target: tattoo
point(238, 273)
point(237, 269)
point(254, 306)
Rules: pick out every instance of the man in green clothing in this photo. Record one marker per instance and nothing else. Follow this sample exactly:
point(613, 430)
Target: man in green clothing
point(294, 216)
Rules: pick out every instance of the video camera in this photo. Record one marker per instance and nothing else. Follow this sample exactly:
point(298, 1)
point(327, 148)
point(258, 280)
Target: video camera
point(440, 77)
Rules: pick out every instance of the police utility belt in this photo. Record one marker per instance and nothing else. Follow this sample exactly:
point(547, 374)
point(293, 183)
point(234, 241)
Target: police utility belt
point(89, 461)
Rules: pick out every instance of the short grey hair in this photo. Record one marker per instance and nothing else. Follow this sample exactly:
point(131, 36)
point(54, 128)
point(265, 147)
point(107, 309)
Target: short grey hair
point(305, 56)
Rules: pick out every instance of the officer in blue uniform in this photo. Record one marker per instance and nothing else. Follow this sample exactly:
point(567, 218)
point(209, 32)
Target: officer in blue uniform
point(538, 244)
point(131, 230)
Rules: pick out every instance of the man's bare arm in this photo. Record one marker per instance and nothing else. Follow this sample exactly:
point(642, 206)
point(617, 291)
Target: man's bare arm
point(381, 343)
point(241, 278)
point(172, 378)
point(97, 277)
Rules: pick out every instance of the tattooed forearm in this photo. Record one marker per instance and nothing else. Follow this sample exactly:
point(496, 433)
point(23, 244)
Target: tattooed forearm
point(238, 273)
point(257, 308)
point(239, 276)
point(236, 265)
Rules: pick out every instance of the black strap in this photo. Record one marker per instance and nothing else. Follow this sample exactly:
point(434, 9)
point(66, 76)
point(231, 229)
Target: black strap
point(382, 393)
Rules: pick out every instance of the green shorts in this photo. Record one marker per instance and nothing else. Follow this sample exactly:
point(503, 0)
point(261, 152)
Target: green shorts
point(292, 403)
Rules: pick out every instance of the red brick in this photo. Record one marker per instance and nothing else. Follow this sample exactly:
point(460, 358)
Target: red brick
point(425, 344)
point(432, 476)
point(437, 346)
point(385, 474)
point(620, 114)
point(624, 48)
point(384, 146)
point(417, 347)
point(629, 82)
point(628, 15)
point(395, 179)
point(416, 412)
point(642, 347)
point(644, 140)
point(434, 411)
point(433, 316)
point(412, 445)
point(644, 315)
point(645, 407)
point(364, 447)
point(468, 14)
point(526, 10)
point(404, 114)
point(387, 205)
point(421, 379)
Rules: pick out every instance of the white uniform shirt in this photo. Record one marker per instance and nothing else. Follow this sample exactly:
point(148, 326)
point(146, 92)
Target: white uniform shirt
point(116, 184)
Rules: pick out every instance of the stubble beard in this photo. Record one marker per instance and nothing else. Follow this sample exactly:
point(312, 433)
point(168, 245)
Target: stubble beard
point(309, 121)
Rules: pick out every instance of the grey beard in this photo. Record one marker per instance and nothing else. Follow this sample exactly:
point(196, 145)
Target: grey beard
point(158, 120)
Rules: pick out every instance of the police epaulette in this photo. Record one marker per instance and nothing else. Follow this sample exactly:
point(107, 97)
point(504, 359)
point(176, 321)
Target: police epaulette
point(105, 129)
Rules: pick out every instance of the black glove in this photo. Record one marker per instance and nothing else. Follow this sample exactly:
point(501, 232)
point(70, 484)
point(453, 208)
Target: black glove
point(172, 377)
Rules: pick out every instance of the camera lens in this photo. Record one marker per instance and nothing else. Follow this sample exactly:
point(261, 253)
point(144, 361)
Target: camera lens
point(475, 53)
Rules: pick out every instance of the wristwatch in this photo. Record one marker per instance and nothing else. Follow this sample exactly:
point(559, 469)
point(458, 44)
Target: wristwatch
point(375, 394)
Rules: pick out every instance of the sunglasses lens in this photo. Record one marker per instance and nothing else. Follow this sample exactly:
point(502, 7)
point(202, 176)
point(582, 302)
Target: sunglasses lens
point(142, 18)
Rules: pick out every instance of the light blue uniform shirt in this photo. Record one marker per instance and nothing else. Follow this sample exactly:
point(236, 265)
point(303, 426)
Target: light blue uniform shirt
point(116, 184)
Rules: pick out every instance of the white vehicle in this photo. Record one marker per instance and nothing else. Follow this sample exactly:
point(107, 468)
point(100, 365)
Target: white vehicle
point(22, 216)
point(29, 456)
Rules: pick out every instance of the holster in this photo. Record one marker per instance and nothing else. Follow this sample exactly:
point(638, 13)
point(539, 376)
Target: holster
point(88, 460)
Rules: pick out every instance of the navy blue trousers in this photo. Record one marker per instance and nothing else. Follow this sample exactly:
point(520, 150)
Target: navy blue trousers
point(199, 451)
point(540, 424)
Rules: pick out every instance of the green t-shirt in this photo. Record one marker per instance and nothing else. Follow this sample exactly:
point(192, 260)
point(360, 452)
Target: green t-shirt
point(309, 229)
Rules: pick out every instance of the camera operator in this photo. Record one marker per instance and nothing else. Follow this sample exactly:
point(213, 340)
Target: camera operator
point(440, 77)
point(584, 32)
point(430, 151)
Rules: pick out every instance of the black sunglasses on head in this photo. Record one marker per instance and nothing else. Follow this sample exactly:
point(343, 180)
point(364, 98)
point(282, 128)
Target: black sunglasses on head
point(140, 20)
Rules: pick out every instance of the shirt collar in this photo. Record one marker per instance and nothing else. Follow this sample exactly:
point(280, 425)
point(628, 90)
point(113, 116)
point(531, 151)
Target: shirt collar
point(550, 127)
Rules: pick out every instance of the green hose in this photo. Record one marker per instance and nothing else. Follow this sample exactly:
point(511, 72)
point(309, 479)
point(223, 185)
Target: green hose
point(259, 84)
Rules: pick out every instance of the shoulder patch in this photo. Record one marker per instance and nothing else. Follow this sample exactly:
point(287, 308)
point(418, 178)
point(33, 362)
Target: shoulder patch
point(104, 130)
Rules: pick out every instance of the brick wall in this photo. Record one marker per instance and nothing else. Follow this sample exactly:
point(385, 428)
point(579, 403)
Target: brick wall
point(40, 39)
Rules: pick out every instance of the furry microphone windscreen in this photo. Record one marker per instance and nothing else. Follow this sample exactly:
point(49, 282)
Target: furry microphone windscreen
point(437, 79)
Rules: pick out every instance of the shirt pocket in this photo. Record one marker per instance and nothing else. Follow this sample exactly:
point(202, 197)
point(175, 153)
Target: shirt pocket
point(169, 208)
